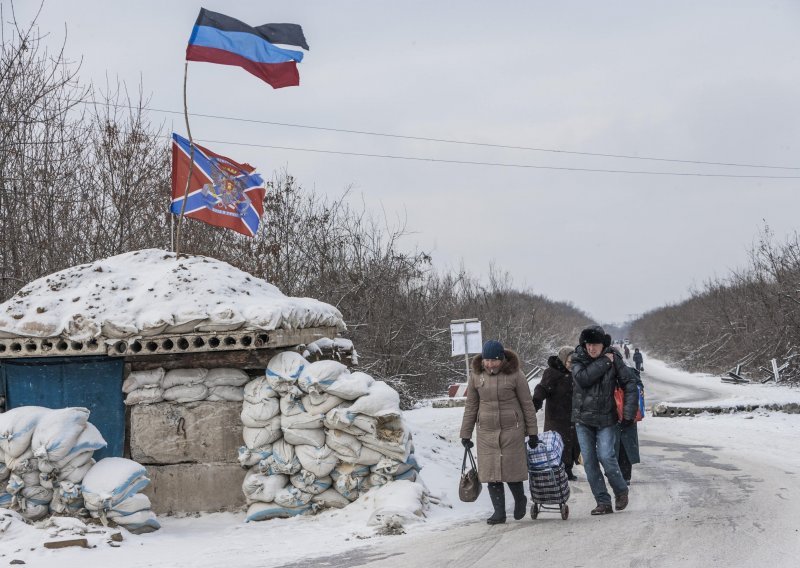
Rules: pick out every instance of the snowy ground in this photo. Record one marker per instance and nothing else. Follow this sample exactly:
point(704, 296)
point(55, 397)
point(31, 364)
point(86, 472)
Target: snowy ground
point(712, 491)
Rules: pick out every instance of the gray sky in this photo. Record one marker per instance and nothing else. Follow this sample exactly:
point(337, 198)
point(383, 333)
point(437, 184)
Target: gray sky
point(711, 81)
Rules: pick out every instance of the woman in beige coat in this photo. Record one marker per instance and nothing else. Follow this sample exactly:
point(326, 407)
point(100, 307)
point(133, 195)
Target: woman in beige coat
point(499, 402)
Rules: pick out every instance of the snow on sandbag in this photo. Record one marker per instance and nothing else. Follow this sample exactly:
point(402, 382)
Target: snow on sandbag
point(331, 498)
point(16, 429)
point(186, 393)
point(291, 402)
point(225, 318)
point(306, 481)
point(304, 436)
point(112, 480)
point(225, 393)
point(319, 461)
point(320, 404)
point(381, 401)
point(248, 457)
point(350, 386)
point(141, 379)
point(142, 522)
point(284, 369)
point(225, 377)
point(259, 390)
point(397, 504)
point(257, 415)
point(284, 458)
point(146, 395)
point(176, 377)
point(266, 511)
point(259, 487)
point(291, 496)
point(345, 446)
point(302, 420)
point(260, 437)
point(57, 432)
point(317, 377)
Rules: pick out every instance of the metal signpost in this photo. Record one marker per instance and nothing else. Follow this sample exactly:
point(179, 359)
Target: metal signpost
point(465, 338)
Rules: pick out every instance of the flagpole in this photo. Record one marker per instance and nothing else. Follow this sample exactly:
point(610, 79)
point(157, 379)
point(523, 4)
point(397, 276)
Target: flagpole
point(191, 164)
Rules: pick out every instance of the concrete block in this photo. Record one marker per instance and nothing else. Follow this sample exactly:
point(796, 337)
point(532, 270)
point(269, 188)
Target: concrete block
point(200, 487)
point(196, 432)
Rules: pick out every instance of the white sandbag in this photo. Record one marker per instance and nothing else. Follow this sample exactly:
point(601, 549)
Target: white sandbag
point(306, 481)
point(320, 404)
point(391, 467)
point(259, 390)
point(378, 479)
point(112, 480)
point(225, 393)
point(90, 440)
point(410, 475)
point(176, 377)
point(5, 473)
point(248, 457)
point(340, 419)
point(397, 504)
point(367, 456)
point(142, 379)
point(291, 402)
point(396, 446)
point(317, 377)
point(256, 415)
point(302, 420)
point(57, 432)
point(16, 429)
point(66, 499)
point(349, 486)
point(260, 487)
point(226, 377)
point(186, 393)
point(319, 461)
point(284, 458)
point(330, 498)
point(284, 369)
point(25, 462)
point(291, 496)
point(266, 511)
point(260, 437)
point(37, 494)
point(131, 505)
point(225, 318)
point(33, 511)
point(146, 395)
point(142, 522)
point(350, 386)
point(381, 401)
point(75, 474)
point(304, 436)
point(5, 499)
point(345, 446)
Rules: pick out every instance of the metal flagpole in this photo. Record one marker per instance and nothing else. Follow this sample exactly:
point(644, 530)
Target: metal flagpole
point(466, 351)
point(191, 164)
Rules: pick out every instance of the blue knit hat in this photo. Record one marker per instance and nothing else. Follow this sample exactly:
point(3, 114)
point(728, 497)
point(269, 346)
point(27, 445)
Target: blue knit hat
point(493, 349)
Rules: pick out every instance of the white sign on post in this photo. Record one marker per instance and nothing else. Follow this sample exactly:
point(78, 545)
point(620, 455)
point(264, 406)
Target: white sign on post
point(473, 342)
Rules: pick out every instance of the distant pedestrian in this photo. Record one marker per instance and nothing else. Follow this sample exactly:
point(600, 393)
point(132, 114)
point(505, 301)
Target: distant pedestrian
point(556, 388)
point(627, 353)
point(597, 370)
point(628, 442)
point(499, 401)
point(638, 360)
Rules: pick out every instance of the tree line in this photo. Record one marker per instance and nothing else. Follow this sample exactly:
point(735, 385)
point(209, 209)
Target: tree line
point(748, 317)
point(85, 174)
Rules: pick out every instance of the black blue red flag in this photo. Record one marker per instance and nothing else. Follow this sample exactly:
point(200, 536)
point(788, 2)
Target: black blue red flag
point(222, 192)
point(217, 38)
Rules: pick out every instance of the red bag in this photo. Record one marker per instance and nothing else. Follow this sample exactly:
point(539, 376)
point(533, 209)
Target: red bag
point(619, 398)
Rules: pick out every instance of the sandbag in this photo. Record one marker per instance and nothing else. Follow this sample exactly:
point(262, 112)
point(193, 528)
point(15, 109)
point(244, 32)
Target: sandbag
point(177, 377)
point(302, 420)
point(257, 415)
point(225, 377)
point(141, 379)
point(284, 458)
point(142, 522)
point(260, 487)
point(291, 402)
point(248, 457)
point(259, 390)
point(147, 395)
point(112, 480)
point(291, 496)
point(349, 486)
point(320, 404)
point(319, 461)
point(186, 393)
point(260, 437)
point(5, 473)
point(367, 456)
point(225, 393)
point(350, 386)
point(266, 511)
point(16, 429)
point(331, 498)
point(284, 369)
point(345, 446)
point(392, 467)
point(57, 432)
point(381, 401)
point(224, 318)
point(304, 436)
point(90, 440)
point(24, 462)
point(396, 447)
point(398, 503)
point(5, 499)
point(317, 377)
point(131, 505)
point(308, 482)
point(76, 473)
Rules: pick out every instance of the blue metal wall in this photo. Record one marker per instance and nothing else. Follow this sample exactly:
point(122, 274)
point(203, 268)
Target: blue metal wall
point(58, 382)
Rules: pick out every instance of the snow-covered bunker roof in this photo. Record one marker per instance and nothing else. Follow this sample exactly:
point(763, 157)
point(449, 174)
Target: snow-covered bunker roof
point(150, 292)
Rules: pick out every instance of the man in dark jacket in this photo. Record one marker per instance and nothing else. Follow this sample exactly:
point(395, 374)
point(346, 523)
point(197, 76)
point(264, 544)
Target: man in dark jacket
point(597, 370)
point(638, 360)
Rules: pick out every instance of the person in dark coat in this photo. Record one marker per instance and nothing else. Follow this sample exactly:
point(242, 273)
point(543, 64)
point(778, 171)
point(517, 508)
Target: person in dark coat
point(638, 360)
point(627, 353)
point(597, 370)
point(556, 388)
point(628, 442)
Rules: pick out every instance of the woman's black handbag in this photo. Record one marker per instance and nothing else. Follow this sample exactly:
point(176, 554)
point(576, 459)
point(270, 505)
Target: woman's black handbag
point(469, 487)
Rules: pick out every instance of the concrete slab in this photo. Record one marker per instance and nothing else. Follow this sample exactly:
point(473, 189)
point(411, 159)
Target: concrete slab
point(188, 488)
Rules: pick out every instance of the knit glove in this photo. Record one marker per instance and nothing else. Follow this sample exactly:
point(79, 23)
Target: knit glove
point(467, 443)
point(533, 441)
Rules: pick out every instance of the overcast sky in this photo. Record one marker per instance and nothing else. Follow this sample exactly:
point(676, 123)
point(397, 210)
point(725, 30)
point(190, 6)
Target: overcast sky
point(710, 81)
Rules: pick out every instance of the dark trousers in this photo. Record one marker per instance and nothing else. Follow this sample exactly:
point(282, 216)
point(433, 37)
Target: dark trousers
point(625, 465)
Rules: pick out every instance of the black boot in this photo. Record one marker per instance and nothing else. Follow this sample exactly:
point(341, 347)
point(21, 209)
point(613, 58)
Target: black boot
point(498, 496)
point(520, 501)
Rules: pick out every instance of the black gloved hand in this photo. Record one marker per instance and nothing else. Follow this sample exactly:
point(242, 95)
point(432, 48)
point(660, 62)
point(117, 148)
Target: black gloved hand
point(466, 442)
point(537, 404)
point(626, 422)
point(533, 441)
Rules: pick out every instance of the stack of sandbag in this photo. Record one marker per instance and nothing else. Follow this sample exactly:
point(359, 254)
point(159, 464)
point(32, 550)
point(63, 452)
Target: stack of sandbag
point(317, 436)
point(110, 492)
point(184, 385)
point(46, 454)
